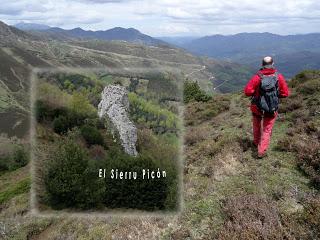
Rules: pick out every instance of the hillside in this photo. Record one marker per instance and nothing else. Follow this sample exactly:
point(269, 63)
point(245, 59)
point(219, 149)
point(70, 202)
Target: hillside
point(228, 193)
point(21, 52)
point(249, 48)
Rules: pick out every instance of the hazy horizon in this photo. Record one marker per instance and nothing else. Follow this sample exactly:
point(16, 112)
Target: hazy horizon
point(173, 18)
point(161, 36)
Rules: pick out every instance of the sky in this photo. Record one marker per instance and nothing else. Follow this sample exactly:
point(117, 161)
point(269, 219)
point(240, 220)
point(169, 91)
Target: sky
point(170, 17)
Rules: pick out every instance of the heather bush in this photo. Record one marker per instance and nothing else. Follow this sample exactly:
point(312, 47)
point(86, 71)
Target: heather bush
point(304, 77)
point(309, 161)
point(251, 217)
point(309, 87)
point(311, 215)
point(195, 135)
point(302, 137)
point(290, 104)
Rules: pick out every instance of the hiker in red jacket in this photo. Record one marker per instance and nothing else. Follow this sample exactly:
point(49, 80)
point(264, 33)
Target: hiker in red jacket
point(265, 87)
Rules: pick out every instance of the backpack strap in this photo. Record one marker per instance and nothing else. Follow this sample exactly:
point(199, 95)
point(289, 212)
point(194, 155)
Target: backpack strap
point(277, 83)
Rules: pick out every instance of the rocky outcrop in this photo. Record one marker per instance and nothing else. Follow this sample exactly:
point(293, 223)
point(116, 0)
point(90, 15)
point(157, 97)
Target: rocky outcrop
point(115, 106)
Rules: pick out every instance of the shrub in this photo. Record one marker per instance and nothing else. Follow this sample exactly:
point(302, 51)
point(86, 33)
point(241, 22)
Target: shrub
point(145, 194)
point(70, 181)
point(16, 159)
point(91, 135)
point(43, 111)
point(66, 120)
point(309, 161)
point(20, 157)
point(304, 224)
point(80, 104)
point(290, 104)
point(52, 95)
point(192, 91)
point(195, 135)
point(60, 125)
point(311, 215)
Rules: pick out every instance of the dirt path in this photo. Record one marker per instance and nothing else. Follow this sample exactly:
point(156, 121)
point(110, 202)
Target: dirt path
point(46, 233)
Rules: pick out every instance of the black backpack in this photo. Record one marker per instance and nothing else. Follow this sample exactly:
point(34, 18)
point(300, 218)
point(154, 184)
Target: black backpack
point(268, 100)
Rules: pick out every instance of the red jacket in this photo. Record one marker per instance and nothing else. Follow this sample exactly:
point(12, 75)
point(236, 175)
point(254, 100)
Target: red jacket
point(252, 87)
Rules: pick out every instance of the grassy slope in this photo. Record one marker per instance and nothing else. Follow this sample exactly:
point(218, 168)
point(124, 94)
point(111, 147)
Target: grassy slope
point(228, 192)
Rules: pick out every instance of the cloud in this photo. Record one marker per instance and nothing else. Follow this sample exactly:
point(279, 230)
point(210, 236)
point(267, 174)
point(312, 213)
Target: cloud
point(161, 17)
point(104, 1)
point(18, 7)
point(174, 29)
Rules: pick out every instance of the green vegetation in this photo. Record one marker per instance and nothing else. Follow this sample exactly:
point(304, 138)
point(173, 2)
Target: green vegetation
point(80, 104)
point(79, 144)
point(230, 77)
point(13, 155)
point(139, 193)
point(18, 188)
point(70, 181)
point(192, 91)
point(92, 135)
point(247, 198)
point(202, 111)
point(162, 87)
point(302, 137)
point(152, 115)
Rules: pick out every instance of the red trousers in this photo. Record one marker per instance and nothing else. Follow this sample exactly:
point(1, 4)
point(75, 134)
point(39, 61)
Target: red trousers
point(262, 130)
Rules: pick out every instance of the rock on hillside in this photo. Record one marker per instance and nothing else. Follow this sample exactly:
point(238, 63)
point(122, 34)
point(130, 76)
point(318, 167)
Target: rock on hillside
point(115, 105)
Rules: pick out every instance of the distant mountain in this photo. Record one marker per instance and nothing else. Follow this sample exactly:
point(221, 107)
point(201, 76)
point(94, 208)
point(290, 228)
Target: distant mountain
point(178, 41)
point(117, 33)
point(249, 48)
point(31, 26)
point(290, 63)
point(256, 44)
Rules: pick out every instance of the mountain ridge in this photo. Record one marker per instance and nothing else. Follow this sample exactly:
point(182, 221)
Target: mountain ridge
point(250, 48)
point(116, 33)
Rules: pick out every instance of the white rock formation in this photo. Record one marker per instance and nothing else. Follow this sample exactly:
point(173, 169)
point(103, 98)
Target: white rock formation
point(115, 106)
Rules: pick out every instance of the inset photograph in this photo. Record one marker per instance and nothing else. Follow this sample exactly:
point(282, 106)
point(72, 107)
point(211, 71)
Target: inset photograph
point(106, 141)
